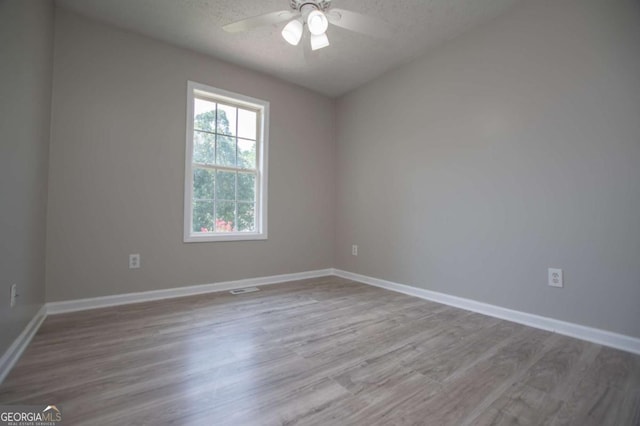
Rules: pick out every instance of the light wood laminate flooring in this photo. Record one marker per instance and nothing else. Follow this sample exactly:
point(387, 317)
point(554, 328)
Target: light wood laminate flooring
point(325, 351)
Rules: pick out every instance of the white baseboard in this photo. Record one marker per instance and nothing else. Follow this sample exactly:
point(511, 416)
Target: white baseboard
point(18, 346)
point(16, 349)
point(147, 296)
point(607, 338)
point(595, 335)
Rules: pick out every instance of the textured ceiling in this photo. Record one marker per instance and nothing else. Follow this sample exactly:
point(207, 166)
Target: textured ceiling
point(350, 61)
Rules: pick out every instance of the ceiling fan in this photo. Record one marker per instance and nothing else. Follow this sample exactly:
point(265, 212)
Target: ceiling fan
point(316, 15)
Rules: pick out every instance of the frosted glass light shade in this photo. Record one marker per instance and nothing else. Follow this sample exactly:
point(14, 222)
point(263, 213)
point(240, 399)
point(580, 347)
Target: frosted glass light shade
point(292, 32)
point(317, 22)
point(319, 41)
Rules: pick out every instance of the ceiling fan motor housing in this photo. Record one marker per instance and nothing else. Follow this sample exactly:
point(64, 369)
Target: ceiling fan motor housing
point(322, 5)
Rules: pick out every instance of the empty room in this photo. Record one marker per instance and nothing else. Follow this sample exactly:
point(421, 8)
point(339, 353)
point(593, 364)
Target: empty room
point(320, 212)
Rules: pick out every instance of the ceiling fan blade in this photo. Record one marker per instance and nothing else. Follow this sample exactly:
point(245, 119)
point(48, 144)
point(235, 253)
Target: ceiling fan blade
point(259, 21)
point(356, 22)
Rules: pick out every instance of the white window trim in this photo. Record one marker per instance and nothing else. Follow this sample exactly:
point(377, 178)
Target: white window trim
point(262, 162)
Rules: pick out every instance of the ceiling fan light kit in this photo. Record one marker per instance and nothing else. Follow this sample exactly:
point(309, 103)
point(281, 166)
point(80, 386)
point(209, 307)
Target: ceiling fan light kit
point(316, 15)
point(312, 13)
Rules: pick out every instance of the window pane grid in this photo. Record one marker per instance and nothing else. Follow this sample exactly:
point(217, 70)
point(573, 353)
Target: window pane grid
point(243, 219)
point(221, 134)
point(226, 165)
point(211, 148)
point(205, 166)
point(213, 132)
point(249, 129)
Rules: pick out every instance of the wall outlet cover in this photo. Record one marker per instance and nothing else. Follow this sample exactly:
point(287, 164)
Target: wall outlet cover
point(555, 277)
point(134, 261)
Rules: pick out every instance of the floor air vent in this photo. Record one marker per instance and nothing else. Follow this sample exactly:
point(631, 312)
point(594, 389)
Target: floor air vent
point(244, 290)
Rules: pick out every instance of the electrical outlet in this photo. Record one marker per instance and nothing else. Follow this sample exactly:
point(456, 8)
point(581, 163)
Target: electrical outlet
point(134, 261)
point(354, 249)
point(555, 277)
point(14, 294)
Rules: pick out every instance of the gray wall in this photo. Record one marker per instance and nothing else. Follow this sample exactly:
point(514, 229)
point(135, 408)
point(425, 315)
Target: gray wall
point(26, 47)
point(117, 168)
point(509, 150)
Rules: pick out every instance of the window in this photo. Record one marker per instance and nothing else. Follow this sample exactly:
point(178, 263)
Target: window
point(226, 166)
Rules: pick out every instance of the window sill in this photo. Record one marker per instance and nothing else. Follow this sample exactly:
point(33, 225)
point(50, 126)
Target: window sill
point(221, 238)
